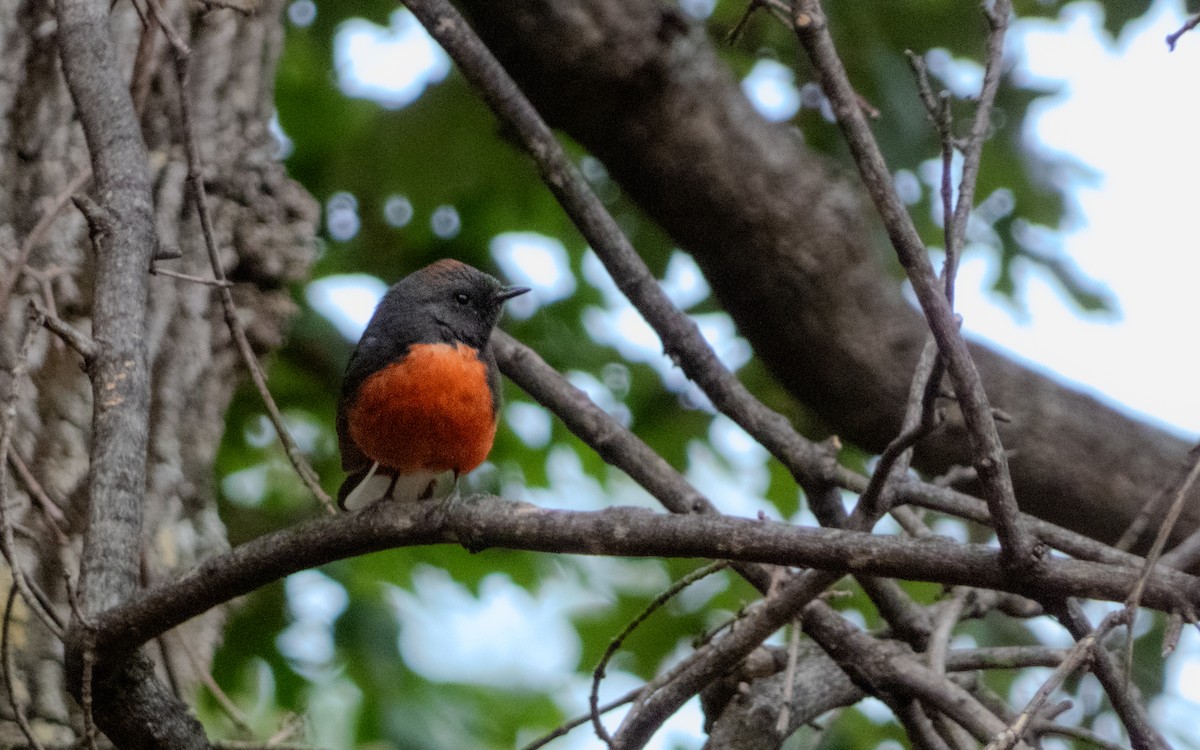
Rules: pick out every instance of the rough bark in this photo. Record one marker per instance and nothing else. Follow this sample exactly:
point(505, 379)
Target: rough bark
point(790, 250)
point(265, 225)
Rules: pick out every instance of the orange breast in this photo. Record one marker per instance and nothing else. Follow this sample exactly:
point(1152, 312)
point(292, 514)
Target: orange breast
point(432, 410)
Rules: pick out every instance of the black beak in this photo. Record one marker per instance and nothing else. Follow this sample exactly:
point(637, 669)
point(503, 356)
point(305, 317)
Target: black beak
point(508, 292)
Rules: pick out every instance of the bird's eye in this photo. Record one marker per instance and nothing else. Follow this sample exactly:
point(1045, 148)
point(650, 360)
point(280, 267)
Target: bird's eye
point(462, 298)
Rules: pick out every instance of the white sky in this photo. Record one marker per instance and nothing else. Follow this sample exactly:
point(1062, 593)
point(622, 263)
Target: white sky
point(1128, 110)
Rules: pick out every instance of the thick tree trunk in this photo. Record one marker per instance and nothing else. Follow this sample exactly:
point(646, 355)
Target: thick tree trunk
point(787, 246)
point(264, 225)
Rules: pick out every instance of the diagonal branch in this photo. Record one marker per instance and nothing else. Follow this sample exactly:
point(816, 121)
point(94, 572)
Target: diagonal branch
point(885, 669)
point(997, 15)
point(987, 451)
point(612, 442)
point(237, 331)
point(681, 337)
point(789, 251)
point(1124, 696)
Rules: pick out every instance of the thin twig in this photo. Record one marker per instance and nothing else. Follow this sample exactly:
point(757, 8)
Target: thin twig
point(235, 714)
point(938, 109)
point(223, 284)
point(289, 727)
point(997, 13)
point(70, 335)
point(47, 612)
point(789, 680)
point(580, 720)
point(1171, 633)
point(87, 632)
point(181, 48)
point(910, 520)
point(1185, 553)
point(85, 698)
point(1173, 37)
point(1039, 728)
point(1160, 541)
point(778, 8)
point(943, 627)
point(1122, 696)
point(9, 668)
point(953, 733)
point(1079, 654)
point(8, 421)
point(196, 180)
point(141, 17)
point(736, 31)
point(653, 606)
point(917, 726)
point(920, 420)
point(38, 233)
point(45, 278)
point(1156, 507)
point(987, 451)
point(145, 65)
point(50, 509)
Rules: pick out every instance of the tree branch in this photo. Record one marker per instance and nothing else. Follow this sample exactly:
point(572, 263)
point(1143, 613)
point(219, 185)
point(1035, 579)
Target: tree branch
point(620, 448)
point(135, 710)
point(486, 521)
point(883, 669)
point(988, 454)
point(73, 337)
point(1122, 694)
point(787, 248)
point(183, 56)
point(812, 467)
point(821, 686)
point(121, 384)
point(684, 344)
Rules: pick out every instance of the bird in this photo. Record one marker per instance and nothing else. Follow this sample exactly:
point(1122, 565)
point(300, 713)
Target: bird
point(421, 391)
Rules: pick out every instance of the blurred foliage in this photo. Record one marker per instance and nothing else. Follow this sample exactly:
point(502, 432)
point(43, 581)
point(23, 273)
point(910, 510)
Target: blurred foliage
point(444, 150)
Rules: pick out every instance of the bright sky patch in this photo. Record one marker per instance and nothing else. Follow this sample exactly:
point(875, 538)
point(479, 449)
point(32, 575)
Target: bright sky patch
point(391, 66)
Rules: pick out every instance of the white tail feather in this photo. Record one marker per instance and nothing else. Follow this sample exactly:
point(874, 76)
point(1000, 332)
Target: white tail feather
point(408, 487)
point(358, 496)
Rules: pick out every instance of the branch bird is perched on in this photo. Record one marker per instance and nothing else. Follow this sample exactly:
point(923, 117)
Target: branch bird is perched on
point(422, 389)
